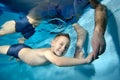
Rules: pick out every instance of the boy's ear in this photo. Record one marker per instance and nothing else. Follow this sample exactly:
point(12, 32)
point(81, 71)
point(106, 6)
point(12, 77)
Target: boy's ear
point(52, 42)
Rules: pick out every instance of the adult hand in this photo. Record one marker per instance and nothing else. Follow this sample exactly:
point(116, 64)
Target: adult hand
point(98, 44)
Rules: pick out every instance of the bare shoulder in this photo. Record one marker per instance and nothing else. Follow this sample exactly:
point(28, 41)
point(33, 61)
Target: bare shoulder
point(41, 51)
point(47, 52)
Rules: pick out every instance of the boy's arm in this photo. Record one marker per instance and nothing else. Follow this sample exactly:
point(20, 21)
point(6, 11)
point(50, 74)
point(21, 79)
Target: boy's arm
point(65, 61)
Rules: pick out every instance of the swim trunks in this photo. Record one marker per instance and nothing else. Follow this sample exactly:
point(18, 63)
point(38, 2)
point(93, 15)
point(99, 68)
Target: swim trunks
point(24, 27)
point(14, 49)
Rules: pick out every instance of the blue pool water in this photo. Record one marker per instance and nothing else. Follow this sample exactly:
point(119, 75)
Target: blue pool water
point(107, 67)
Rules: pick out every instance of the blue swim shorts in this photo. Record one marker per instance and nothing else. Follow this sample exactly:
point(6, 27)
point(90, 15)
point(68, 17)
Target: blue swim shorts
point(14, 49)
point(23, 26)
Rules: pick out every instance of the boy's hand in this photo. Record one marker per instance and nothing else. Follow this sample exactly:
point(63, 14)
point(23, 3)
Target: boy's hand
point(89, 58)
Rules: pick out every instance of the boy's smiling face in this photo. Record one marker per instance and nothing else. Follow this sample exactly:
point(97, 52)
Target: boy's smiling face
point(59, 45)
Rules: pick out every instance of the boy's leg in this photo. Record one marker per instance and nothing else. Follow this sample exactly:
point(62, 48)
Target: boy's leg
point(81, 37)
point(81, 34)
point(4, 49)
point(7, 28)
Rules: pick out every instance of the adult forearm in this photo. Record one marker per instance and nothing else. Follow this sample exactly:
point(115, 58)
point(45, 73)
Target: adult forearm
point(98, 40)
point(100, 19)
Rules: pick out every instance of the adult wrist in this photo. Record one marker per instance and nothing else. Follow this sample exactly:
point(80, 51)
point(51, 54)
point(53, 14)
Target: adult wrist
point(99, 30)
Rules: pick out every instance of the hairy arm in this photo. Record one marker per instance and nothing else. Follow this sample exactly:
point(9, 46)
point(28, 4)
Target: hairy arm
point(98, 40)
point(100, 19)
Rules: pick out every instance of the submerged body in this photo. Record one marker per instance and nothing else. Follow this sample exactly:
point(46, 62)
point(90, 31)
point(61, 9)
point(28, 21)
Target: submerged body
point(63, 9)
point(35, 57)
point(69, 11)
point(53, 54)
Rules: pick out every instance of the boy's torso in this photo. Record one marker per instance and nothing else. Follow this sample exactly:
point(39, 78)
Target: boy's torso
point(33, 56)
